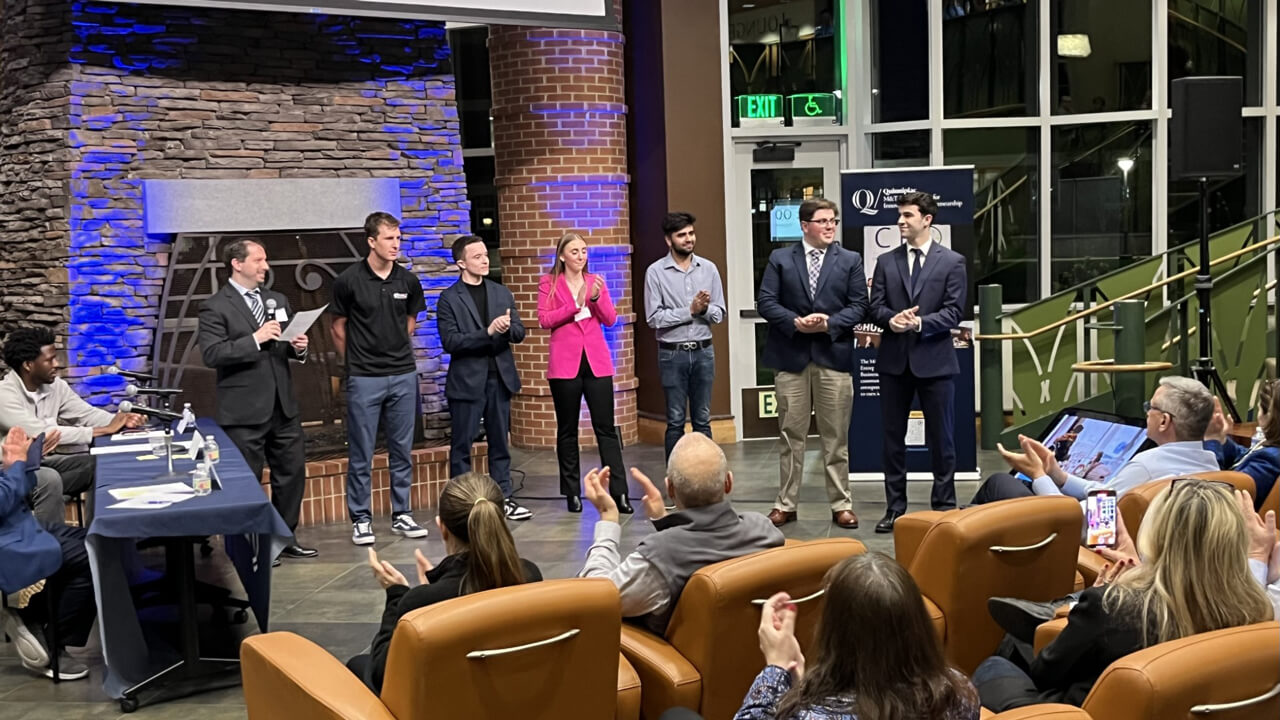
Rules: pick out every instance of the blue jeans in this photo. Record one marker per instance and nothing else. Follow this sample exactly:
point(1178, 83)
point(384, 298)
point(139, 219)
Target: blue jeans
point(686, 379)
point(393, 399)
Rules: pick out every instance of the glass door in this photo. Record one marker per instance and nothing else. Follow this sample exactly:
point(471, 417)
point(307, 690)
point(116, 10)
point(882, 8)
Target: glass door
point(765, 204)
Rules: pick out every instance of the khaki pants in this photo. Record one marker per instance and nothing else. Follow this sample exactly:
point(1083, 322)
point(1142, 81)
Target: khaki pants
point(829, 393)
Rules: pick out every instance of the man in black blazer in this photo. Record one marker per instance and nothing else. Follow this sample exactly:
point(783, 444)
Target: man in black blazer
point(917, 297)
point(813, 294)
point(239, 330)
point(478, 323)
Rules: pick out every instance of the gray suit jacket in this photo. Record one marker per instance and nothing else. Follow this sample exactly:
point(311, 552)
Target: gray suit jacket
point(250, 379)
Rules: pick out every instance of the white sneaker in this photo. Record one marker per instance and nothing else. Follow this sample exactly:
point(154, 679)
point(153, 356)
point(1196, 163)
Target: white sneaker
point(362, 533)
point(404, 524)
point(30, 648)
point(68, 668)
point(515, 511)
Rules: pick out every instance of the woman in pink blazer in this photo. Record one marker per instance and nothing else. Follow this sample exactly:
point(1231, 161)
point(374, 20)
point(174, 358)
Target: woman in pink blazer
point(573, 304)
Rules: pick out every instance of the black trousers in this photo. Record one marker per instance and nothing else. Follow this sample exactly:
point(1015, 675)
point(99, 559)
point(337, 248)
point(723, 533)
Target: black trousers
point(279, 444)
point(567, 396)
point(937, 399)
point(72, 584)
point(464, 420)
point(1001, 486)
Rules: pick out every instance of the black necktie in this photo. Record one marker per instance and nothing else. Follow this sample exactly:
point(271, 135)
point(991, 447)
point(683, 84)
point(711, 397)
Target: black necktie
point(916, 259)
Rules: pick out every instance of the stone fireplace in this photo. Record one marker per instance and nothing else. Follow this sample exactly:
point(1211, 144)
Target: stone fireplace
point(102, 104)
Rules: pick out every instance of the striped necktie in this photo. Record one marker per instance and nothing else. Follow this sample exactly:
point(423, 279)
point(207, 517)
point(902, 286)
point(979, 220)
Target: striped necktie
point(255, 305)
point(815, 269)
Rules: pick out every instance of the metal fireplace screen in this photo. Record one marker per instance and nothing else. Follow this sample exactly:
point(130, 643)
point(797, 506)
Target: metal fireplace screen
point(303, 266)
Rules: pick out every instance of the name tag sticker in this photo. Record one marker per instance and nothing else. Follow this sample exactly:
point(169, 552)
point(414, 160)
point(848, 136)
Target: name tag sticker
point(400, 296)
point(280, 315)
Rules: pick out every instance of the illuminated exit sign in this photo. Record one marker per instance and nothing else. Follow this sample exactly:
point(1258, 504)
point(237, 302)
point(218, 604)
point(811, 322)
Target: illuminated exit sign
point(756, 110)
point(813, 109)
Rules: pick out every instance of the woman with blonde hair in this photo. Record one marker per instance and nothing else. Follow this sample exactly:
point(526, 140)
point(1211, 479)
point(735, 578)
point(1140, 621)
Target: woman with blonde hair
point(1193, 577)
point(575, 306)
point(481, 556)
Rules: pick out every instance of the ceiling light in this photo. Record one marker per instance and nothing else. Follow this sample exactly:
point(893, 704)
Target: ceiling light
point(1125, 164)
point(1076, 46)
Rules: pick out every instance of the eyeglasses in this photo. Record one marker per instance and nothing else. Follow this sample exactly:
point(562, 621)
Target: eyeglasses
point(825, 221)
point(1148, 407)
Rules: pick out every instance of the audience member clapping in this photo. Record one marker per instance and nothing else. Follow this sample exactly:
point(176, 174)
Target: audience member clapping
point(876, 655)
point(481, 556)
point(1189, 573)
point(1260, 460)
point(703, 530)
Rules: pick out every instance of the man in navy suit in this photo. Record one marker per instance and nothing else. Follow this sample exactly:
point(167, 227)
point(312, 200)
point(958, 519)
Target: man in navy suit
point(478, 323)
point(812, 294)
point(917, 297)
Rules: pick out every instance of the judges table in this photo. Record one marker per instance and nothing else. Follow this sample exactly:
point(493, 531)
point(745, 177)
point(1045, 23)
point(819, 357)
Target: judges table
point(141, 668)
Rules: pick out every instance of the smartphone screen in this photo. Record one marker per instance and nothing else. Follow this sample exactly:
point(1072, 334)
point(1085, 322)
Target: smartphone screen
point(1100, 515)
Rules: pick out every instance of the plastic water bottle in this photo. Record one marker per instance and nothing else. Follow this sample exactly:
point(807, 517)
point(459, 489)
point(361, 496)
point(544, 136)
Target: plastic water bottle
point(211, 452)
point(200, 480)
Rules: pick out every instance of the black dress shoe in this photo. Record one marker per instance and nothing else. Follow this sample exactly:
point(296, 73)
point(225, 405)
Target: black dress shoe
point(1020, 618)
point(275, 563)
point(574, 502)
point(297, 551)
point(886, 523)
point(624, 504)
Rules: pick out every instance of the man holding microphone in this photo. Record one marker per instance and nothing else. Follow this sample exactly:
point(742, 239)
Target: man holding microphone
point(240, 327)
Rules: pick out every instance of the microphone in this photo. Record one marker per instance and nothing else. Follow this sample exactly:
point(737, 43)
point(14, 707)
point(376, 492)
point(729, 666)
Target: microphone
point(271, 306)
point(133, 391)
point(114, 370)
point(128, 407)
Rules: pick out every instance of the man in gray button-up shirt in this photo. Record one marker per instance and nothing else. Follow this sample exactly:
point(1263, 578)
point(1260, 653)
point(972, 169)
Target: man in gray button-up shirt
point(683, 298)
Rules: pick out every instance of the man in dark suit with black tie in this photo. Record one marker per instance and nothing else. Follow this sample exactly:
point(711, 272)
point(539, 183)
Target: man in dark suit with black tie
point(478, 323)
point(813, 294)
point(239, 330)
point(917, 297)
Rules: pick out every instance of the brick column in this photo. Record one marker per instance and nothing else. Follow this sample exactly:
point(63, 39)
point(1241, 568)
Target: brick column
point(560, 147)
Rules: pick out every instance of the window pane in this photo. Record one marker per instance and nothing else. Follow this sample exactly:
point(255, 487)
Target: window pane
point(1218, 38)
point(1101, 210)
point(470, 47)
point(899, 70)
point(483, 196)
point(1006, 223)
point(900, 149)
point(1231, 201)
point(989, 58)
point(786, 50)
point(1102, 55)
point(775, 211)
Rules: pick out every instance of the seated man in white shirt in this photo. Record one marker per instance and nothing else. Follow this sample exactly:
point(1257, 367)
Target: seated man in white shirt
point(1177, 417)
point(703, 530)
point(34, 398)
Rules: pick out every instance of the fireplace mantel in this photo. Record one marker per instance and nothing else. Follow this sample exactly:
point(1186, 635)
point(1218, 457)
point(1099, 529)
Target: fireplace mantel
point(260, 205)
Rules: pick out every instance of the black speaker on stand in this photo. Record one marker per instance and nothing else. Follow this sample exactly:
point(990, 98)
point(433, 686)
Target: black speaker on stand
point(1206, 132)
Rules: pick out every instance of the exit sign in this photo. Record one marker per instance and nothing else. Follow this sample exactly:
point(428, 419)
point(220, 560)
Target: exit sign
point(756, 110)
point(813, 109)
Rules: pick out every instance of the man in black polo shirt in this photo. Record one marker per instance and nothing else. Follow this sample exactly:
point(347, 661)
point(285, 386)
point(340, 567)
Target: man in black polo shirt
point(478, 323)
point(377, 304)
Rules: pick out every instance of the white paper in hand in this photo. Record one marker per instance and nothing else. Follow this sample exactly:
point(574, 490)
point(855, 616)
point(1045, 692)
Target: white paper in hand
point(301, 323)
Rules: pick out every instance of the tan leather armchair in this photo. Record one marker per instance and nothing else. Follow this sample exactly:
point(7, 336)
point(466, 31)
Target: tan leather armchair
point(1272, 501)
point(552, 645)
point(1225, 675)
point(1023, 548)
point(1039, 712)
point(1133, 506)
point(710, 654)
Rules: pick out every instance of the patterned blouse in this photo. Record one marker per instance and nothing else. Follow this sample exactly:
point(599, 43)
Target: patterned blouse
point(773, 682)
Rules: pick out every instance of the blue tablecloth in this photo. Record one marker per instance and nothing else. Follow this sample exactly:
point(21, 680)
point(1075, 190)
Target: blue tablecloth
point(253, 534)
